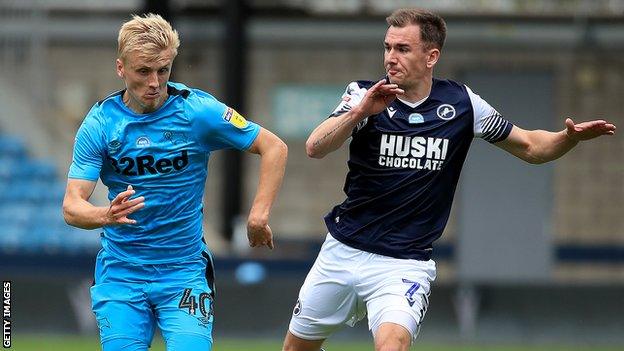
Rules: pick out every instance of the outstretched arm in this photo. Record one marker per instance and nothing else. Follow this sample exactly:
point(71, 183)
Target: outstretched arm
point(79, 212)
point(332, 133)
point(273, 153)
point(540, 146)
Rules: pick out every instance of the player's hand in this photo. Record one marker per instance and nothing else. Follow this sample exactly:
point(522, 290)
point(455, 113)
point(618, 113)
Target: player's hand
point(378, 98)
point(588, 130)
point(122, 206)
point(259, 233)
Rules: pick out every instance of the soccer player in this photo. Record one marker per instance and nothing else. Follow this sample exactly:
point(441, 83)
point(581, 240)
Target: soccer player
point(410, 134)
point(149, 144)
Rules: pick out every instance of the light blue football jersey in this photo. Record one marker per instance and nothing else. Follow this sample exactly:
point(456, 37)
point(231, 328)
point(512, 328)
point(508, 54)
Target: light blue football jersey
point(164, 156)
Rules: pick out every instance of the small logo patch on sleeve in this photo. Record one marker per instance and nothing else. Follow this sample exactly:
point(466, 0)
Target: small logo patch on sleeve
point(234, 118)
point(238, 121)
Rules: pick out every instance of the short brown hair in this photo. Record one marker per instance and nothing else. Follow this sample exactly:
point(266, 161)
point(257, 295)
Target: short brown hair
point(432, 26)
point(149, 33)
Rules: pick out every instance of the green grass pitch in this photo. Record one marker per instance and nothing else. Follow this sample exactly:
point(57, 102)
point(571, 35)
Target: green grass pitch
point(77, 343)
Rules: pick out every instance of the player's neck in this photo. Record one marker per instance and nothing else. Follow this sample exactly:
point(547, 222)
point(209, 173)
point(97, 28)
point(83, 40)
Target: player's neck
point(136, 106)
point(420, 90)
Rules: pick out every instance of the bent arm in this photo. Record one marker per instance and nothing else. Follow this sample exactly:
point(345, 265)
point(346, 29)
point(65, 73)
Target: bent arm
point(273, 154)
point(79, 212)
point(332, 133)
point(540, 146)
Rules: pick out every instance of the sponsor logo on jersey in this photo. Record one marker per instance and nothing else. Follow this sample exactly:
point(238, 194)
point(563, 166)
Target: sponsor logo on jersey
point(422, 153)
point(391, 111)
point(235, 118)
point(113, 146)
point(228, 114)
point(147, 164)
point(143, 141)
point(416, 118)
point(446, 112)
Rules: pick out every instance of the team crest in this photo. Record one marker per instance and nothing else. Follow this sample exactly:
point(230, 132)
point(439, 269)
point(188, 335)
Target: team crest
point(446, 112)
point(415, 118)
point(175, 137)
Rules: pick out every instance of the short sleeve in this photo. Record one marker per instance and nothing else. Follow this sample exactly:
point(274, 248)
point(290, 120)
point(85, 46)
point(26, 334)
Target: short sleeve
point(488, 123)
point(352, 96)
point(88, 152)
point(220, 126)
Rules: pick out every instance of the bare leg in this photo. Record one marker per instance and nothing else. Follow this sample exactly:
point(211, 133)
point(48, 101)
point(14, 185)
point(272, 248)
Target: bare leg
point(392, 337)
point(294, 343)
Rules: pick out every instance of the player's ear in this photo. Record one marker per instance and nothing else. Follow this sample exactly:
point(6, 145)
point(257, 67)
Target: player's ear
point(432, 57)
point(120, 68)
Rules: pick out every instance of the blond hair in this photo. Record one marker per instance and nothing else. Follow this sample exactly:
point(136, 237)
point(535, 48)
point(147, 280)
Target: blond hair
point(432, 26)
point(149, 34)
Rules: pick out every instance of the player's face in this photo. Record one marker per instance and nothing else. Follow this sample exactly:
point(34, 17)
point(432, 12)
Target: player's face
point(146, 79)
point(406, 60)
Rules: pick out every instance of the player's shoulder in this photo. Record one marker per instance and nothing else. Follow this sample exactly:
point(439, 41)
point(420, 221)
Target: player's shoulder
point(361, 84)
point(191, 95)
point(107, 102)
point(358, 87)
point(198, 104)
point(99, 109)
point(448, 90)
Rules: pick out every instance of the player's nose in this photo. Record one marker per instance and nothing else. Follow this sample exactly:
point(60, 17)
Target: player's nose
point(152, 80)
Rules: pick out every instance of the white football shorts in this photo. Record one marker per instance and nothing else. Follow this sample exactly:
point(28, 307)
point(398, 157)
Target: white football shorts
point(345, 284)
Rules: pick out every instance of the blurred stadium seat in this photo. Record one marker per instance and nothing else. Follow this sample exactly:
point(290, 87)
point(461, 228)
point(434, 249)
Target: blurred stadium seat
point(31, 194)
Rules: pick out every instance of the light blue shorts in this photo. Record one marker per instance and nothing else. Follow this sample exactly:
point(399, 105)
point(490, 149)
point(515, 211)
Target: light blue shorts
point(129, 300)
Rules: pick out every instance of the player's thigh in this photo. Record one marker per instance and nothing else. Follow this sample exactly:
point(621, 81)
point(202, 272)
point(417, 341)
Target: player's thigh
point(122, 312)
point(183, 300)
point(327, 300)
point(400, 295)
point(119, 301)
point(294, 343)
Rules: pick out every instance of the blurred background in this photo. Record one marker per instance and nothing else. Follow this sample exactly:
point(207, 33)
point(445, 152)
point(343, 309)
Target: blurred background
point(531, 255)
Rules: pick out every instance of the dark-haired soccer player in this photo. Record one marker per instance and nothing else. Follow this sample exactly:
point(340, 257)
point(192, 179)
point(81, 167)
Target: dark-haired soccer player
point(410, 136)
point(149, 144)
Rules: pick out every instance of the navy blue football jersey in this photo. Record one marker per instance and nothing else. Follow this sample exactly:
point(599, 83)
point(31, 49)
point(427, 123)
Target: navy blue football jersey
point(404, 164)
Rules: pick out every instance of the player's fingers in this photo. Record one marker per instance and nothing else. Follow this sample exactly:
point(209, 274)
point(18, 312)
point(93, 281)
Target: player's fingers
point(123, 196)
point(127, 204)
point(126, 220)
point(136, 207)
point(270, 244)
point(378, 84)
point(128, 211)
